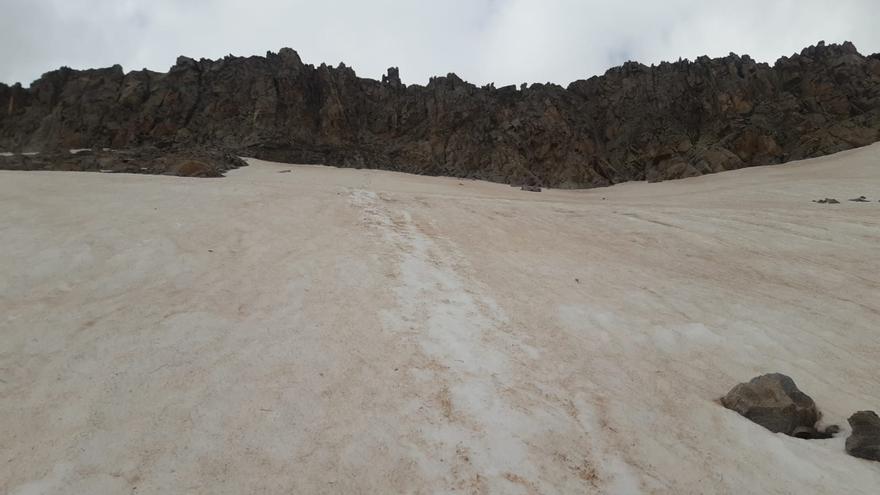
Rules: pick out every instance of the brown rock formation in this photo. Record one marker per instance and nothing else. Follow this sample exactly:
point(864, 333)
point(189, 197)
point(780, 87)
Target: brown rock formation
point(142, 160)
point(635, 122)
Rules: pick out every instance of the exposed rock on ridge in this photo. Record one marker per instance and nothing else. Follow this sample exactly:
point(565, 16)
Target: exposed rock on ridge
point(635, 122)
point(188, 162)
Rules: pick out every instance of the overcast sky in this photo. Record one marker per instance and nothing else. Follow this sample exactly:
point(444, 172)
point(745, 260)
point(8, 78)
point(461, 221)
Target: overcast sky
point(502, 41)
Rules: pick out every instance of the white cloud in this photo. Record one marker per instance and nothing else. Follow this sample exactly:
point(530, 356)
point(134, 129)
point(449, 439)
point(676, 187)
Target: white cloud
point(506, 41)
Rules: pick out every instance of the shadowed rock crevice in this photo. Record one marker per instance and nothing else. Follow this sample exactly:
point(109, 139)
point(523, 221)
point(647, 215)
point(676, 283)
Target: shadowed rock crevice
point(634, 122)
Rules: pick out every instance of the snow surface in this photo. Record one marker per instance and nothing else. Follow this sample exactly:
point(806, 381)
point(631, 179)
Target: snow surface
point(356, 331)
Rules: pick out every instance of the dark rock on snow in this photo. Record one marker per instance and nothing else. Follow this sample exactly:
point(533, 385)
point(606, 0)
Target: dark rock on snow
point(184, 162)
point(830, 201)
point(864, 441)
point(860, 199)
point(635, 122)
point(811, 433)
point(774, 402)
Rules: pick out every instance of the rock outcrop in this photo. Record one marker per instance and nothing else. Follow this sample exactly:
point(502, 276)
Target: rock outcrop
point(774, 402)
point(142, 160)
point(633, 123)
point(864, 441)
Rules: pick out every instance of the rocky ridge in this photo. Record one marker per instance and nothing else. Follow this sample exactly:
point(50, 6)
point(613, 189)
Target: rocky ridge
point(635, 122)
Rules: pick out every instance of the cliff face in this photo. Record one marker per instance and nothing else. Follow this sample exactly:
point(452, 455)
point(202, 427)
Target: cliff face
point(634, 122)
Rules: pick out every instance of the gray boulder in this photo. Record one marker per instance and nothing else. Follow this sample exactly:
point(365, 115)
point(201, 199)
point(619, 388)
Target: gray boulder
point(864, 441)
point(774, 402)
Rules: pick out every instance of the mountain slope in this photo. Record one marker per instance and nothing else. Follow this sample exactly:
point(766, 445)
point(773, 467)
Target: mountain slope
point(634, 122)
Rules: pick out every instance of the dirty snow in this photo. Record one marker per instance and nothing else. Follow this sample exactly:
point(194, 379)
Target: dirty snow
point(355, 331)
